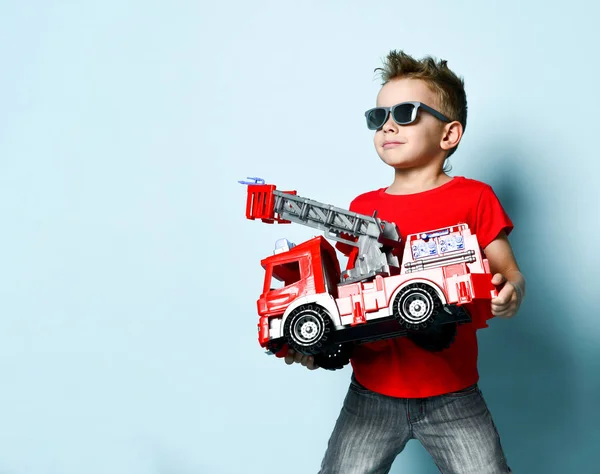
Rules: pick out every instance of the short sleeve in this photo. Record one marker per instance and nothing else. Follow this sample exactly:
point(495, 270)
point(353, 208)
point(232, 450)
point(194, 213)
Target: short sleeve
point(490, 218)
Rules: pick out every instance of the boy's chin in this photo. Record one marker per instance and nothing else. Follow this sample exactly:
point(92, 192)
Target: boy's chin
point(406, 163)
point(399, 163)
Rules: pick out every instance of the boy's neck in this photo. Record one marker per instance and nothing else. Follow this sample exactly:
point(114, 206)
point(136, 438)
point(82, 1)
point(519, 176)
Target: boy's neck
point(411, 181)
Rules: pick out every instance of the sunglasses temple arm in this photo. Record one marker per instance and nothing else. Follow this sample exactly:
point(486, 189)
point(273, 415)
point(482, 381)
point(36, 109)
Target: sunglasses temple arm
point(435, 113)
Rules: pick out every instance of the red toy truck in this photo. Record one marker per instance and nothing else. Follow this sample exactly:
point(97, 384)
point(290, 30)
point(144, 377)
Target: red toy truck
point(308, 303)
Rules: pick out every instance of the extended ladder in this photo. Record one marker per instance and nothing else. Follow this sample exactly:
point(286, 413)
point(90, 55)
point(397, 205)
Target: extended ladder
point(375, 238)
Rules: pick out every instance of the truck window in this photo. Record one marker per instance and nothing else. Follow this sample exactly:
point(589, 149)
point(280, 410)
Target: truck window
point(285, 274)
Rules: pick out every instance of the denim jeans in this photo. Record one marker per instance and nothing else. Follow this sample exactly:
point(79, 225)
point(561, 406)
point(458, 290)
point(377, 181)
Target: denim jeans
point(456, 429)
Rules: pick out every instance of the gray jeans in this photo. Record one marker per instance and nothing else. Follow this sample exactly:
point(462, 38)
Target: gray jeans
point(456, 429)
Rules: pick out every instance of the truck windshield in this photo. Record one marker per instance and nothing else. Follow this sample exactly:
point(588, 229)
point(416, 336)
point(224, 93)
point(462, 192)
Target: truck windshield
point(285, 274)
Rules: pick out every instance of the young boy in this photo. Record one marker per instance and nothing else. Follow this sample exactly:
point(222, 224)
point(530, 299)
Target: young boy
point(399, 390)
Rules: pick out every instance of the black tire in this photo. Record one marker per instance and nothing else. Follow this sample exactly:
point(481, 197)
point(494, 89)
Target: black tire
point(416, 306)
point(307, 329)
point(435, 338)
point(335, 357)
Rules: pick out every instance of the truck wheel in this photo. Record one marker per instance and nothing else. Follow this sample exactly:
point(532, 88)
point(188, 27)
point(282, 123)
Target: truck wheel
point(416, 305)
point(334, 357)
point(435, 338)
point(307, 328)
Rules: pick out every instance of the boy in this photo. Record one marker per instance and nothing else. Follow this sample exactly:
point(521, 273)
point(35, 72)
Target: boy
point(398, 390)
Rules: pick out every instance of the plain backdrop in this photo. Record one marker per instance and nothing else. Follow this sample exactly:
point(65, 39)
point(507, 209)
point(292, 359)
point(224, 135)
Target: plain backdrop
point(129, 274)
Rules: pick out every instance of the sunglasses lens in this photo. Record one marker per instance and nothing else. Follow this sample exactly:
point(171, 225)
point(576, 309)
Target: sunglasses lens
point(376, 118)
point(403, 113)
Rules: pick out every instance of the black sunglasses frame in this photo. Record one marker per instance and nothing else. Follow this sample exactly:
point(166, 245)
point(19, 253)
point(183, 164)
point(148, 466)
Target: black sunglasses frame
point(416, 107)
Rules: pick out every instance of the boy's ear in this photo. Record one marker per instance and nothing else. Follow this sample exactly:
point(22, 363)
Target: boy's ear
point(452, 134)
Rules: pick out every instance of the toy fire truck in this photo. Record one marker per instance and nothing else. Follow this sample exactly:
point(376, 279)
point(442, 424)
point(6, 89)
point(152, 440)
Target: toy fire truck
point(309, 304)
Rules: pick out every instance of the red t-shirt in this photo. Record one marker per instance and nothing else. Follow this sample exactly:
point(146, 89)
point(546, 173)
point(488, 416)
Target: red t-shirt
point(398, 367)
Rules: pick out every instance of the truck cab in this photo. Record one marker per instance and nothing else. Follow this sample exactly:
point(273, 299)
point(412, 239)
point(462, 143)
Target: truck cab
point(306, 269)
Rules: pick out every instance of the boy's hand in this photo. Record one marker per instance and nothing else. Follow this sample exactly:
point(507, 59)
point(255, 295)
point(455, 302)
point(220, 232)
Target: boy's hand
point(509, 298)
point(307, 361)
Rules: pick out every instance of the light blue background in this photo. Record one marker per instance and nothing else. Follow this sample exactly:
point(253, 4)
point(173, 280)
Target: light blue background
point(129, 274)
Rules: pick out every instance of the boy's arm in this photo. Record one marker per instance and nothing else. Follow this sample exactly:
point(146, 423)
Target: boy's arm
point(505, 269)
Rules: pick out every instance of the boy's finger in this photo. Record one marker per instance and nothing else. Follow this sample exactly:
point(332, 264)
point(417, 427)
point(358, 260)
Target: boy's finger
point(505, 294)
point(502, 310)
point(498, 279)
point(508, 313)
point(499, 301)
point(502, 306)
point(289, 358)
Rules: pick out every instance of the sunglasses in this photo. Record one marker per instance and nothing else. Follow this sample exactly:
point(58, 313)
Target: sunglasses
point(403, 114)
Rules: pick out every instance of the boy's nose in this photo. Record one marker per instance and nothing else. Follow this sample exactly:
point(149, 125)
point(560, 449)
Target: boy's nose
point(390, 125)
